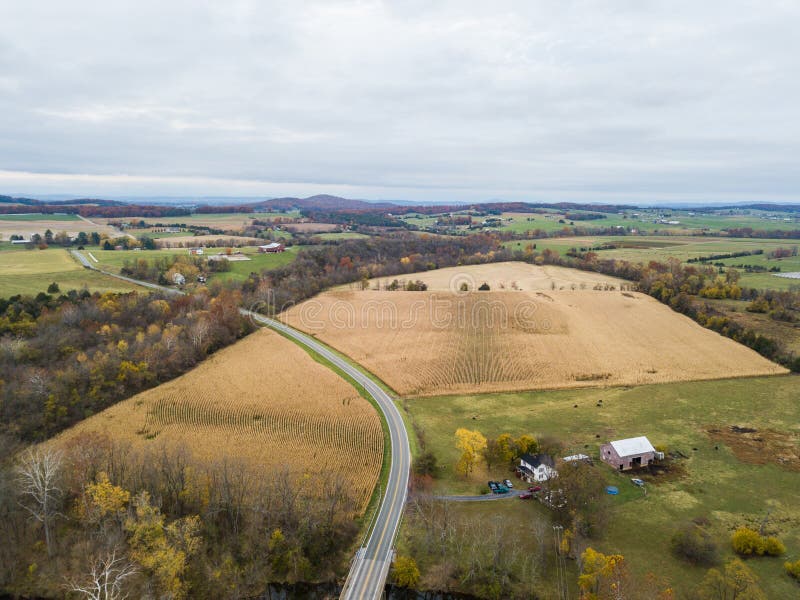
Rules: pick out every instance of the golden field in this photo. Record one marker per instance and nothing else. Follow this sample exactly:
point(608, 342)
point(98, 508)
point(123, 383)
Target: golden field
point(440, 342)
point(509, 276)
point(263, 400)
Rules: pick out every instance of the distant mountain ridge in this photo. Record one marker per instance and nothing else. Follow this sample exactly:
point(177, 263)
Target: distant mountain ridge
point(323, 202)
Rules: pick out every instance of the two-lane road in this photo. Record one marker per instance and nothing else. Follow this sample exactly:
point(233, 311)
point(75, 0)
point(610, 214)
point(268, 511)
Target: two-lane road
point(370, 567)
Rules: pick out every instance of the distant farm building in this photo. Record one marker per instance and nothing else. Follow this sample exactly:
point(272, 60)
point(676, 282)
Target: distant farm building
point(576, 458)
point(21, 241)
point(196, 251)
point(273, 247)
point(178, 279)
point(536, 467)
point(631, 453)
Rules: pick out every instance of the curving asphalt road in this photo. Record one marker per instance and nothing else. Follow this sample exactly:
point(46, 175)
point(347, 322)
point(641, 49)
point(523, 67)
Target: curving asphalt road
point(370, 567)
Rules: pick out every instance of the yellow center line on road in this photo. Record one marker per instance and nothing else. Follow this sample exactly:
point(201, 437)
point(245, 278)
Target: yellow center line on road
point(380, 540)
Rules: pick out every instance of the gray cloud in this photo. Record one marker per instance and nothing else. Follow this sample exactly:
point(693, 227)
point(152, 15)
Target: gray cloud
point(632, 101)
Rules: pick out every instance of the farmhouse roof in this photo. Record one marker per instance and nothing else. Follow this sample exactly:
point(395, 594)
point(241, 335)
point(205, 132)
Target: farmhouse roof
point(272, 245)
point(632, 446)
point(536, 460)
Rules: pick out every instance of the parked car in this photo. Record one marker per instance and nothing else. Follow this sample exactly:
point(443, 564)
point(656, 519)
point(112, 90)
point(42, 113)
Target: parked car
point(493, 486)
point(525, 496)
point(508, 483)
point(535, 488)
point(637, 482)
point(501, 489)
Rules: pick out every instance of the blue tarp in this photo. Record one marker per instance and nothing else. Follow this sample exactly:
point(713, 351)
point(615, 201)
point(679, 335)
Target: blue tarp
point(612, 489)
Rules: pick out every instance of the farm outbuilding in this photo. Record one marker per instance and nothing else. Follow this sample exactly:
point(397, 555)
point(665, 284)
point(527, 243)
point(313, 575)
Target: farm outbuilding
point(536, 467)
point(273, 247)
point(630, 453)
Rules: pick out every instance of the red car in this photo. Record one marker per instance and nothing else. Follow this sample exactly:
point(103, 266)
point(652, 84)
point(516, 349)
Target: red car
point(535, 488)
point(525, 496)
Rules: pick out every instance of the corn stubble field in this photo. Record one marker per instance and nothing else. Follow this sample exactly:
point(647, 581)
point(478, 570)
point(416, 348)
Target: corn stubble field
point(264, 401)
point(443, 342)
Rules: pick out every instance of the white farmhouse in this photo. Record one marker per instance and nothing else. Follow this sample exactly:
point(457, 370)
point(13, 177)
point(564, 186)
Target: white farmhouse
point(537, 467)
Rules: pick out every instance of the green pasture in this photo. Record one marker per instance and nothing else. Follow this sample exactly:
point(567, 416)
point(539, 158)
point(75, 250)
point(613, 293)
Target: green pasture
point(712, 482)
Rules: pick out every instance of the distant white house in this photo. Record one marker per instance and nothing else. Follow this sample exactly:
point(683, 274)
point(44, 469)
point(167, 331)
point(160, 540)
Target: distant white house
point(178, 279)
point(196, 251)
point(537, 467)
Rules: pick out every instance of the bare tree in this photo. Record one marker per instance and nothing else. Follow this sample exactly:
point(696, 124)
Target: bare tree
point(38, 478)
point(106, 580)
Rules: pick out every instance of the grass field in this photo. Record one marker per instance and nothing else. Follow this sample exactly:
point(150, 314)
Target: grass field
point(438, 342)
point(342, 235)
point(640, 220)
point(31, 271)
point(719, 480)
point(113, 260)
point(660, 248)
point(33, 217)
point(263, 400)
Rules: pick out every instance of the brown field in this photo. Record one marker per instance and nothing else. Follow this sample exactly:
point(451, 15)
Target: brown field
point(439, 342)
point(504, 276)
point(180, 241)
point(262, 400)
point(26, 228)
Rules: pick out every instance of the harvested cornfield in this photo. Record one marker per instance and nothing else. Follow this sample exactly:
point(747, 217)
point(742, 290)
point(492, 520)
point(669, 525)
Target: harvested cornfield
point(431, 343)
point(507, 276)
point(263, 400)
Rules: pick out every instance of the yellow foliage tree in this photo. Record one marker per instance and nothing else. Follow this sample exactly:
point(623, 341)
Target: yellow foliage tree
point(405, 572)
point(526, 444)
point(103, 500)
point(472, 445)
point(736, 580)
point(162, 550)
point(603, 576)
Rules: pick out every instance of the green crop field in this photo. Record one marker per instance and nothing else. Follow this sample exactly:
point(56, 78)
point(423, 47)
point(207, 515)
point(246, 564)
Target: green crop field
point(343, 235)
point(39, 217)
point(31, 271)
point(712, 482)
point(260, 262)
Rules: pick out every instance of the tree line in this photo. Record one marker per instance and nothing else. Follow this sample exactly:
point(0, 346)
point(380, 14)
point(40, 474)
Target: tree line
point(96, 518)
point(65, 358)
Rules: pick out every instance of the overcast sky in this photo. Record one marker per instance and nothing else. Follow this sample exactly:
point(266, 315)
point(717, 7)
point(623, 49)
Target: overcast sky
point(421, 100)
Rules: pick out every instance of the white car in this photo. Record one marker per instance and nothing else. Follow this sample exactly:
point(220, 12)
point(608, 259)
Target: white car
point(637, 482)
point(508, 483)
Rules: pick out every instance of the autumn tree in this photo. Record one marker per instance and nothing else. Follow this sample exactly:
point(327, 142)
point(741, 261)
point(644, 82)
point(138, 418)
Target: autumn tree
point(163, 550)
point(525, 444)
point(471, 444)
point(734, 582)
point(602, 576)
point(499, 450)
point(405, 572)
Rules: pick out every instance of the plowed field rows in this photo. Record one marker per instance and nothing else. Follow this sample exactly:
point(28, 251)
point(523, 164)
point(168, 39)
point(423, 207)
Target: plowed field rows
point(442, 342)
